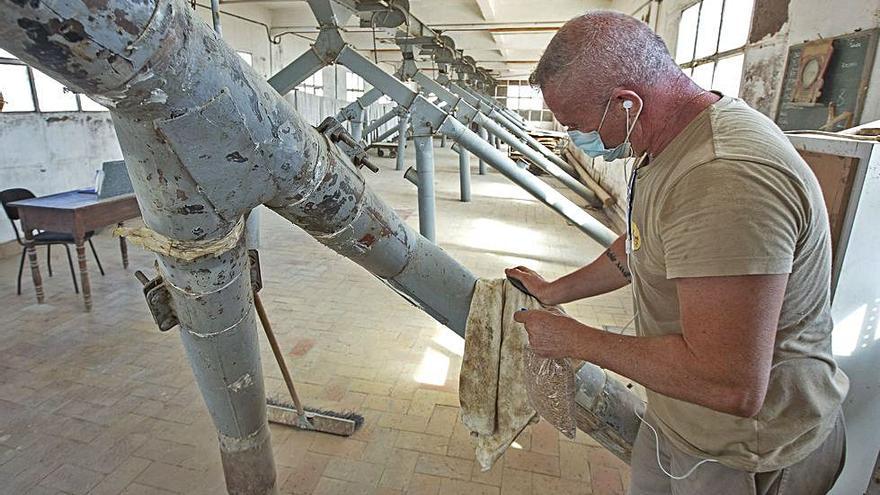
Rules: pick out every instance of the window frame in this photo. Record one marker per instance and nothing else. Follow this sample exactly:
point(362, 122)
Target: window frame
point(30, 78)
point(717, 56)
point(358, 91)
point(523, 108)
point(310, 87)
point(35, 97)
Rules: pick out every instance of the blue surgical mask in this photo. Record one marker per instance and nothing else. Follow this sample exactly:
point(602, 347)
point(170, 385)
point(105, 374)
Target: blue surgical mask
point(591, 142)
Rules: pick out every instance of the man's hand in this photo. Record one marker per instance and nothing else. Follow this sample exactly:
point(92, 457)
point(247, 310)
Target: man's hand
point(550, 331)
point(533, 282)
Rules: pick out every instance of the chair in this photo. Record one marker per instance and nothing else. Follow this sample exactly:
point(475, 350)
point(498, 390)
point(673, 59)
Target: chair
point(42, 238)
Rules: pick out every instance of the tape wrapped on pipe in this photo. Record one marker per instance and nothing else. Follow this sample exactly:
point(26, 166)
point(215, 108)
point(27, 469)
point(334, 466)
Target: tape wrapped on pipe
point(153, 241)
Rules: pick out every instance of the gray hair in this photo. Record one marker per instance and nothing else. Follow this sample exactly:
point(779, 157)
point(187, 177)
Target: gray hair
point(601, 50)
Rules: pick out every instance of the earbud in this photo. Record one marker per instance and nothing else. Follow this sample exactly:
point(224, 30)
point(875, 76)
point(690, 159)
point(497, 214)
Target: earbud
point(627, 104)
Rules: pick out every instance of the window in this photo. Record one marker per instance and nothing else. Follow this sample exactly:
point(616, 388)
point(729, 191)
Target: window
point(24, 89)
point(15, 84)
point(712, 35)
point(523, 98)
point(247, 57)
point(313, 85)
point(354, 86)
point(52, 96)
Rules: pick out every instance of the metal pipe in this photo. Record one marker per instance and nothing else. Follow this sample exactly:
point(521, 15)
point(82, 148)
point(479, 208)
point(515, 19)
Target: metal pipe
point(539, 160)
point(442, 140)
point(516, 129)
point(523, 135)
point(188, 112)
point(376, 124)
point(425, 168)
point(154, 119)
point(296, 72)
point(536, 187)
point(402, 118)
point(357, 126)
point(484, 134)
point(351, 110)
point(215, 16)
point(464, 175)
point(467, 113)
point(389, 133)
point(181, 112)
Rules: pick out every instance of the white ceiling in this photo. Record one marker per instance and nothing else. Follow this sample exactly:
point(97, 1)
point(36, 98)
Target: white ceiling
point(505, 36)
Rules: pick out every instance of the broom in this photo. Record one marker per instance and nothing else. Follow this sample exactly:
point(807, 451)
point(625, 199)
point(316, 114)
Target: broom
point(343, 424)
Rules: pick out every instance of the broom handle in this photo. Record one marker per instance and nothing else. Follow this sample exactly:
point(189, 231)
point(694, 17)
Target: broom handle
point(279, 357)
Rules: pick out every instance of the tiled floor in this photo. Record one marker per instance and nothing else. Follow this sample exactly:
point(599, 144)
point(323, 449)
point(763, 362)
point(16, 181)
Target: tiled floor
point(103, 403)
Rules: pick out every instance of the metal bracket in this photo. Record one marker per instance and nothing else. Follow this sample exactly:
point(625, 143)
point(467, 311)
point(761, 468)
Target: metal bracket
point(159, 298)
point(331, 128)
point(158, 301)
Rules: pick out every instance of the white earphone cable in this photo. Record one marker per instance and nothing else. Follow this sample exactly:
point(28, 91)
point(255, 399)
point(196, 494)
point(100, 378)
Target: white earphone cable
point(631, 183)
point(660, 464)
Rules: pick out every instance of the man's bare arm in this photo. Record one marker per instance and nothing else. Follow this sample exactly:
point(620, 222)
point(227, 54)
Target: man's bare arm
point(721, 360)
point(606, 273)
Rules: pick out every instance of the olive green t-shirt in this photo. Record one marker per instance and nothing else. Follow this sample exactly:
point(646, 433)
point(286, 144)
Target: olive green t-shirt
point(731, 196)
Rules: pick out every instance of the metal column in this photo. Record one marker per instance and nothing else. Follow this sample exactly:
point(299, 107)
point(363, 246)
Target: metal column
point(422, 140)
point(357, 126)
point(215, 16)
point(464, 173)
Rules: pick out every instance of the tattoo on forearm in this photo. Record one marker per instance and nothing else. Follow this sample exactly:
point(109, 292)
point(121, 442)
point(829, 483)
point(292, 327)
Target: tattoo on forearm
point(623, 271)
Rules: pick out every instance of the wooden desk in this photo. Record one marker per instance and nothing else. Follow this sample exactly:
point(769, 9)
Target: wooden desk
point(74, 213)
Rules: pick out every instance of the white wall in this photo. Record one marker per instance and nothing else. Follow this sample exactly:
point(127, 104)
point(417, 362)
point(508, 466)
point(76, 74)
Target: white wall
point(53, 152)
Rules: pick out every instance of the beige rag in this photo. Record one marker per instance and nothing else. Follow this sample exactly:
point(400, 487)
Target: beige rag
point(492, 390)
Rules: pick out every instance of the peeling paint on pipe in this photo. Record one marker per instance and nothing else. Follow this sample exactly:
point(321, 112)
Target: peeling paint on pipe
point(402, 124)
point(220, 142)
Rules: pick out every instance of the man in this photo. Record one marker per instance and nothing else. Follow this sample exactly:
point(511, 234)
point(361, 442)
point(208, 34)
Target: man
point(730, 258)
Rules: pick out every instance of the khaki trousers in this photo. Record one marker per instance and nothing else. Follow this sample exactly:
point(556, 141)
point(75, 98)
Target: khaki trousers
point(815, 475)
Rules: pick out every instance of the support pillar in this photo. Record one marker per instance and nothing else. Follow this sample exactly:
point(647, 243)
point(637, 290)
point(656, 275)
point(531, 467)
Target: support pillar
point(357, 126)
point(464, 173)
point(422, 139)
point(215, 16)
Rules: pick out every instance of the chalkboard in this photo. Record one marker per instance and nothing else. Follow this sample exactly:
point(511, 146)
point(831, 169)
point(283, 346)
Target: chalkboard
point(846, 82)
